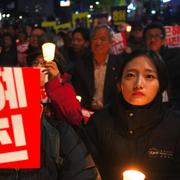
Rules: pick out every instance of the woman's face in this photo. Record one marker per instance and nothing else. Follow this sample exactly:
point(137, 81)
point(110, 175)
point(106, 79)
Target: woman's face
point(40, 63)
point(139, 83)
point(8, 41)
point(78, 42)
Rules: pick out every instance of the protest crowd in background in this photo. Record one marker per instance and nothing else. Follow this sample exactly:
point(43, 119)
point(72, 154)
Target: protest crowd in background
point(88, 60)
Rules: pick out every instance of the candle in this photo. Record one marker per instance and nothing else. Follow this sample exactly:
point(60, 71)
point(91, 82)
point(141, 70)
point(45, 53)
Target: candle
point(79, 98)
point(48, 51)
point(133, 175)
point(128, 28)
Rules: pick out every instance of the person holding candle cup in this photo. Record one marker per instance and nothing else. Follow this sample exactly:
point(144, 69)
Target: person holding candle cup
point(137, 131)
point(63, 154)
point(56, 90)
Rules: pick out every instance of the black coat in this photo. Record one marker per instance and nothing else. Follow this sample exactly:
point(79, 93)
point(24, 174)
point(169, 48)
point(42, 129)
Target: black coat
point(171, 56)
point(147, 138)
point(84, 83)
point(8, 58)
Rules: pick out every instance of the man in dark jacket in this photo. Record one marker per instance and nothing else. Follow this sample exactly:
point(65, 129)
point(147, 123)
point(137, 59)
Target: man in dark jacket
point(154, 35)
point(94, 77)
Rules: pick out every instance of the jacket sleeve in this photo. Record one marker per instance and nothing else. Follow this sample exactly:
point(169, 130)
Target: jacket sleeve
point(63, 96)
point(91, 138)
point(78, 163)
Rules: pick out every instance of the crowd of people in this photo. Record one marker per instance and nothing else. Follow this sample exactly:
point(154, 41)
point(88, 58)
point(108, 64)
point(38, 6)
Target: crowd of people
point(134, 97)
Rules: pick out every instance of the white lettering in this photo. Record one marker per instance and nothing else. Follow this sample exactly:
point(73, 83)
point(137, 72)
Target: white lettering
point(18, 130)
point(18, 76)
point(10, 93)
point(4, 136)
point(13, 156)
point(2, 97)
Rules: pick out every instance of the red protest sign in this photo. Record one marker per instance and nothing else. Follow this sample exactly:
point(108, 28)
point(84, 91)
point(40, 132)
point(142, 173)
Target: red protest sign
point(118, 43)
point(19, 118)
point(173, 36)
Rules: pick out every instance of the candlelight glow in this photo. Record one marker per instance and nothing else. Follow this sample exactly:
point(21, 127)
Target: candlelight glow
point(133, 175)
point(48, 51)
point(128, 28)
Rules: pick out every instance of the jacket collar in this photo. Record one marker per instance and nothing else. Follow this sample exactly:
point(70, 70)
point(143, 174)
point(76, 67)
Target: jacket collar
point(133, 121)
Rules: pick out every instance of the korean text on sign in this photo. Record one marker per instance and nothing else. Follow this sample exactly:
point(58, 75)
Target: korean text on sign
point(19, 118)
point(173, 36)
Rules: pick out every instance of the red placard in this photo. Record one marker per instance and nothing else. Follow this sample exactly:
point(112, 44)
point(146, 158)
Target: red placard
point(173, 36)
point(118, 43)
point(19, 117)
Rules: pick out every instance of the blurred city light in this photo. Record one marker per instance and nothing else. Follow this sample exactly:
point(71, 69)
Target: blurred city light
point(153, 11)
point(128, 10)
point(131, 6)
point(170, 10)
point(7, 15)
point(165, 1)
point(89, 16)
point(36, 11)
point(97, 2)
point(65, 3)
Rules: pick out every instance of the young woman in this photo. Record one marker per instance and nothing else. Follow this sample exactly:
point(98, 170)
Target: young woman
point(138, 131)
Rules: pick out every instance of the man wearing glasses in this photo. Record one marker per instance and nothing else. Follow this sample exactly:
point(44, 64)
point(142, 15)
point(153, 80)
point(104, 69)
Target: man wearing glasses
point(155, 36)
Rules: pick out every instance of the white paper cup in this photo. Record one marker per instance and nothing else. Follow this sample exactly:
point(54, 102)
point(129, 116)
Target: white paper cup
point(48, 50)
